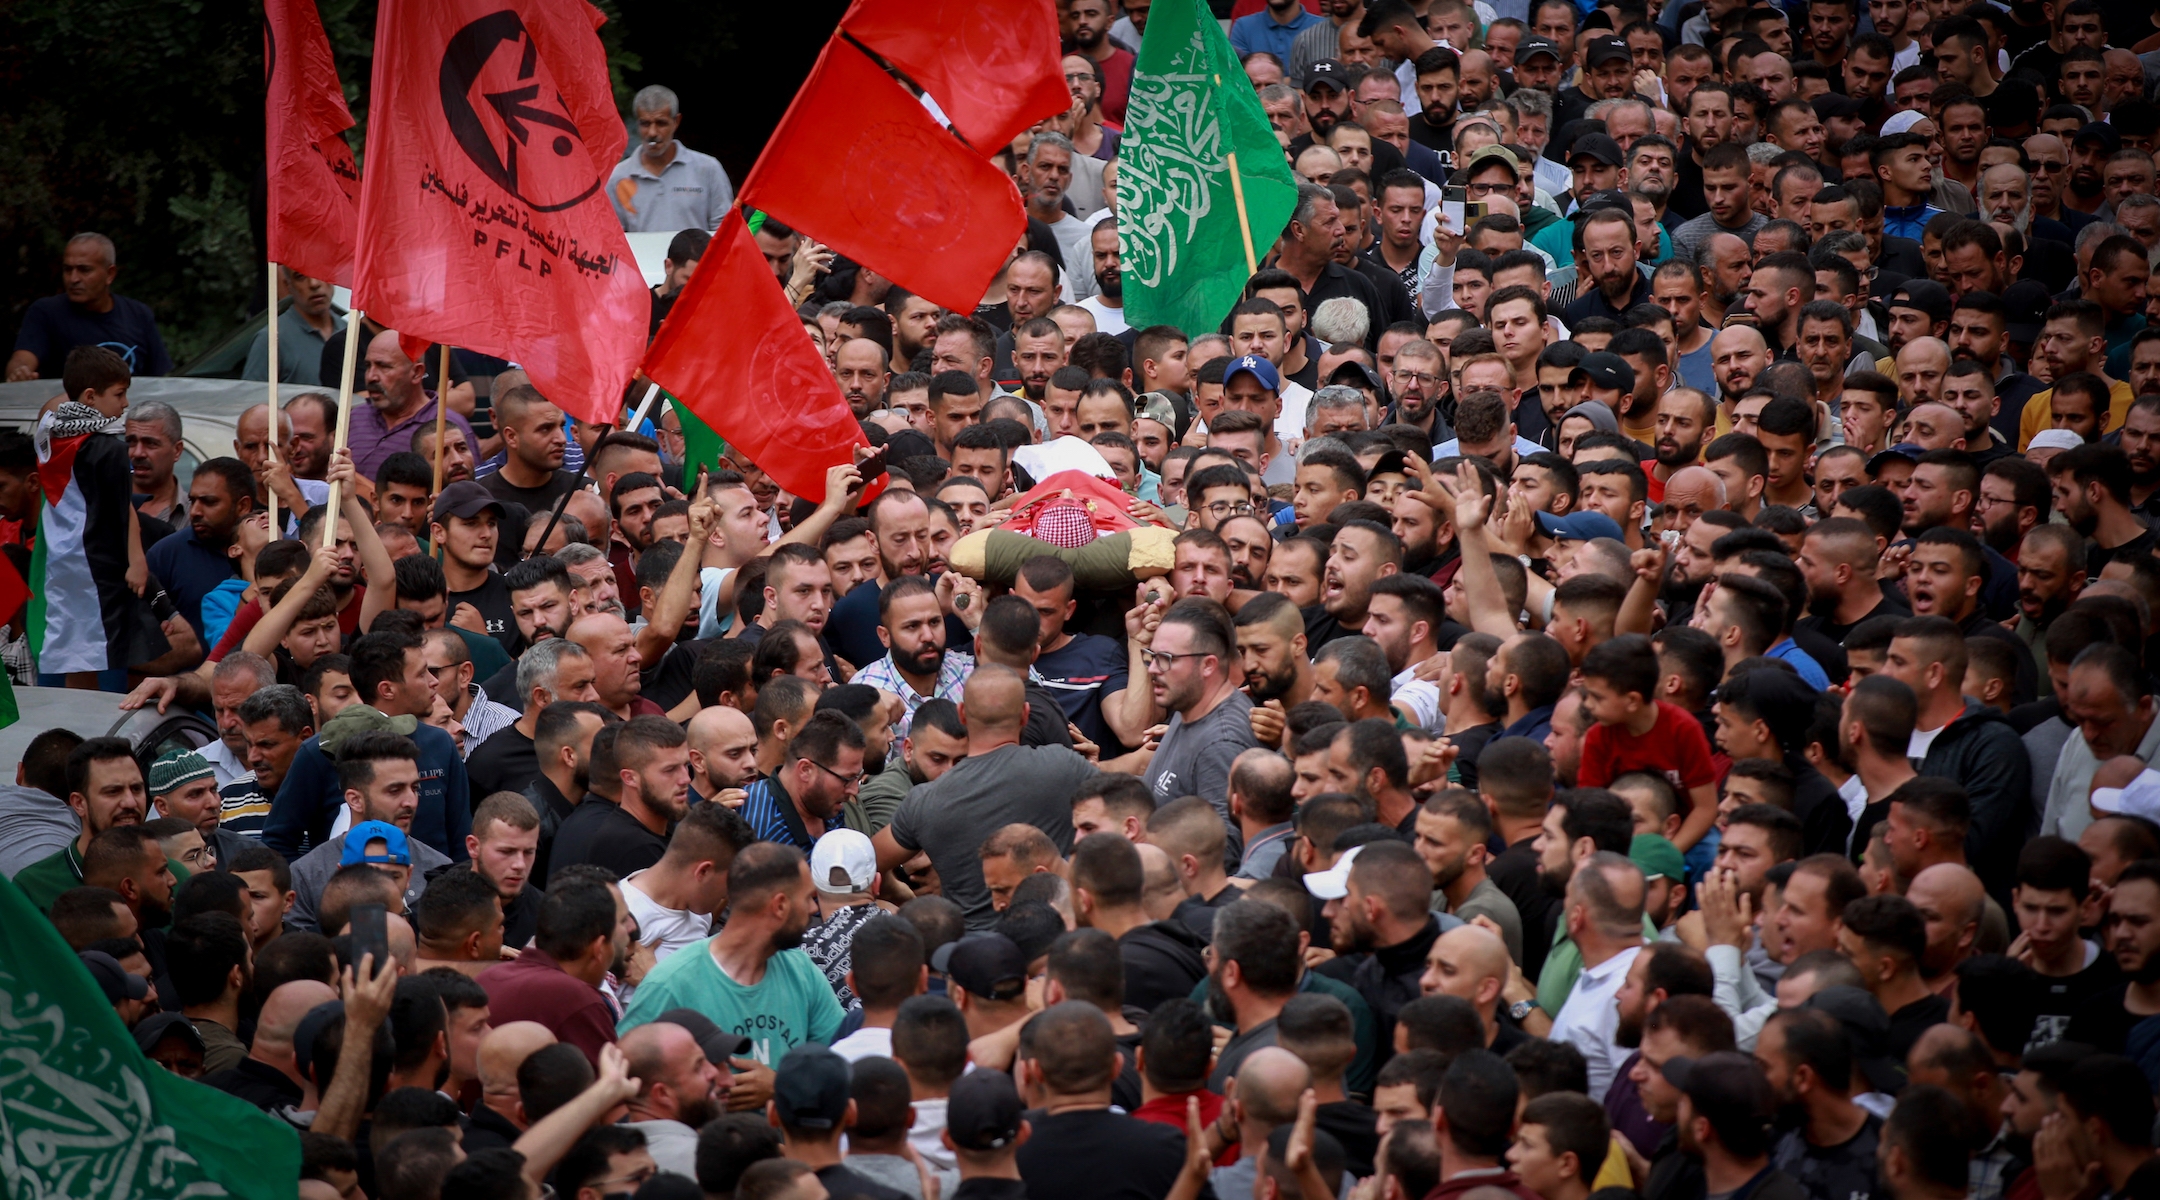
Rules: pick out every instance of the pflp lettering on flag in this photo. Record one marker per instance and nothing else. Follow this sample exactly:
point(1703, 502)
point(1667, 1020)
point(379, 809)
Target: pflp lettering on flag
point(992, 65)
point(736, 354)
point(314, 184)
point(858, 164)
point(483, 218)
point(1202, 189)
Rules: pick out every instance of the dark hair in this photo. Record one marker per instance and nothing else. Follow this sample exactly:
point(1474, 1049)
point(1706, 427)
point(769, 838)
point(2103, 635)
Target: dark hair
point(2053, 864)
point(1478, 1095)
point(572, 915)
point(1889, 922)
point(729, 1145)
point(202, 952)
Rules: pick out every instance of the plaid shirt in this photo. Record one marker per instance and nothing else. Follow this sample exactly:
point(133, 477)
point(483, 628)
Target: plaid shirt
point(883, 675)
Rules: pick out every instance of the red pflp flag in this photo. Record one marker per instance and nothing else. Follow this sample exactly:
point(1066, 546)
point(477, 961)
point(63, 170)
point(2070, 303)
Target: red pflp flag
point(484, 220)
point(735, 352)
point(314, 186)
point(992, 65)
point(859, 165)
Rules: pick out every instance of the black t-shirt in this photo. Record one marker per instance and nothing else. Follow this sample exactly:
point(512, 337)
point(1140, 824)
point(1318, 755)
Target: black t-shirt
point(492, 600)
point(1321, 627)
point(540, 499)
point(1909, 1022)
point(54, 325)
point(671, 680)
point(2062, 996)
point(1099, 1155)
point(2097, 558)
point(1826, 626)
point(2104, 1022)
point(521, 918)
point(1352, 1125)
point(1469, 743)
point(1842, 1172)
point(1162, 962)
point(1515, 871)
point(1079, 673)
point(599, 831)
point(505, 762)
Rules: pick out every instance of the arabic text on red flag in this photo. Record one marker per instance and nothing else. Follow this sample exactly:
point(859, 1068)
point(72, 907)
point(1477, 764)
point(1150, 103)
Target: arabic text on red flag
point(483, 222)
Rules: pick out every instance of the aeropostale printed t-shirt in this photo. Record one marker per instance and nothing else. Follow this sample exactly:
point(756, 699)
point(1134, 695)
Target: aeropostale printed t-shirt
point(791, 1005)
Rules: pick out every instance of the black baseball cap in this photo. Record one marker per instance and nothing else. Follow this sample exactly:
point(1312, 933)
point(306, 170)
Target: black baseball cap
point(1329, 72)
point(466, 500)
point(1609, 370)
point(810, 1088)
point(1926, 295)
point(982, 1111)
point(1531, 47)
point(1599, 146)
point(1606, 49)
point(989, 965)
point(112, 978)
point(718, 1044)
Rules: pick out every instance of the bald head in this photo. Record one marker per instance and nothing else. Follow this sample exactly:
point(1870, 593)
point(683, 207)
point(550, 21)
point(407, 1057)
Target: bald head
point(1923, 351)
point(281, 1013)
point(1950, 889)
point(597, 633)
point(1463, 960)
point(1739, 338)
point(1159, 878)
point(403, 945)
point(725, 744)
point(995, 700)
point(1269, 1082)
point(1695, 487)
point(505, 1049)
point(2118, 771)
point(652, 1051)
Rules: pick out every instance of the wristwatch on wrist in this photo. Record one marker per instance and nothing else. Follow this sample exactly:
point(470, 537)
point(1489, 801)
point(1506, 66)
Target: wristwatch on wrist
point(1521, 1008)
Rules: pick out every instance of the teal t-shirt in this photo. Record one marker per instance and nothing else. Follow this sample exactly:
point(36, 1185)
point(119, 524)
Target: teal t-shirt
point(790, 1006)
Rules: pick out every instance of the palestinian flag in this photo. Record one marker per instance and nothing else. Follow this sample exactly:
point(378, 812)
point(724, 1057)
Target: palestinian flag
point(78, 572)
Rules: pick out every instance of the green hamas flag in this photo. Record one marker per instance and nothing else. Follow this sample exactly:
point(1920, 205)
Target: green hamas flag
point(1202, 188)
point(89, 1115)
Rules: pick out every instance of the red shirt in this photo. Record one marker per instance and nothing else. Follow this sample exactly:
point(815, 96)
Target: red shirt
point(1656, 491)
point(534, 987)
point(1170, 1110)
point(1675, 748)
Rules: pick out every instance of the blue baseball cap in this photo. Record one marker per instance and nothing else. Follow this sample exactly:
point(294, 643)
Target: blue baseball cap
point(1257, 367)
point(395, 851)
point(1578, 526)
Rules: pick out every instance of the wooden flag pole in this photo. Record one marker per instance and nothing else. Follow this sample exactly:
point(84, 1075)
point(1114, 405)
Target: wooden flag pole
point(1237, 194)
point(353, 331)
point(272, 373)
point(442, 410)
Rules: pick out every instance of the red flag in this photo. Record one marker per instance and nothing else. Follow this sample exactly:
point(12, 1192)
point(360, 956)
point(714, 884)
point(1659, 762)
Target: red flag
point(484, 220)
point(992, 65)
point(314, 186)
point(858, 163)
point(735, 352)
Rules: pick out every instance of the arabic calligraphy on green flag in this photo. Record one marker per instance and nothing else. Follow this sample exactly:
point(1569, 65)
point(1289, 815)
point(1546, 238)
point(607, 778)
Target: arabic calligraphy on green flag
point(1202, 188)
point(86, 1114)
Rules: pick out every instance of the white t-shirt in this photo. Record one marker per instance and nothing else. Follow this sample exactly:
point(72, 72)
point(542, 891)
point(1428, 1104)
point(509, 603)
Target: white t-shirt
point(666, 930)
point(1922, 740)
point(1290, 422)
point(867, 1042)
point(1107, 319)
point(1420, 696)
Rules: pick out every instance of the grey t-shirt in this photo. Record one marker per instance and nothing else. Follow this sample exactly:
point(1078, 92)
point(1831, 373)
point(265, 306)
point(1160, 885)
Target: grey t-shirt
point(1194, 760)
point(950, 817)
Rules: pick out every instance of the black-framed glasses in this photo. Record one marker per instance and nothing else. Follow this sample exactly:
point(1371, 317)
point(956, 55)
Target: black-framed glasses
point(1152, 659)
point(845, 780)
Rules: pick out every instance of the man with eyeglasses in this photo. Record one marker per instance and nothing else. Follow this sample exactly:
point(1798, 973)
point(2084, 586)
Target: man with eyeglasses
point(1188, 670)
point(2050, 158)
point(1419, 381)
point(818, 775)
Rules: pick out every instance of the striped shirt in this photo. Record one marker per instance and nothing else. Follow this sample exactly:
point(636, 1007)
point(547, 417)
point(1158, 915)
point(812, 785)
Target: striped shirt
point(773, 815)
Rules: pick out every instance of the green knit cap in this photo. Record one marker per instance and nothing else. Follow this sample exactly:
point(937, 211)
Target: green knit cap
point(178, 769)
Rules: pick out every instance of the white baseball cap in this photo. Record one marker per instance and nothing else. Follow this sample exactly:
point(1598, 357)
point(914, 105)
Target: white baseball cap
point(1333, 883)
point(2140, 798)
point(2054, 439)
point(843, 863)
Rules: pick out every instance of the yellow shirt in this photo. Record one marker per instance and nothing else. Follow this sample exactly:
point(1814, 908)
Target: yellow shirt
point(2039, 412)
point(1614, 1173)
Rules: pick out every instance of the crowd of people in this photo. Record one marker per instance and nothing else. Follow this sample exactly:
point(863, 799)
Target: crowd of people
point(1635, 678)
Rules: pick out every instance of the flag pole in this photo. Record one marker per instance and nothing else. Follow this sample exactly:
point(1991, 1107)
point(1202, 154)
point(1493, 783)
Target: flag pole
point(353, 331)
point(652, 393)
point(272, 375)
point(442, 409)
point(1237, 194)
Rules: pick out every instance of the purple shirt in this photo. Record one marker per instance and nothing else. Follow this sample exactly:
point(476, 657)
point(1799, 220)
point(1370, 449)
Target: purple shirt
point(371, 443)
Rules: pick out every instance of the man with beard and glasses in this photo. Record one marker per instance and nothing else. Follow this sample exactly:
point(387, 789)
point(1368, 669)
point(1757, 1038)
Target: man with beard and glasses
point(1419, 383)
point(1271, 649)
point(1838, 559)
point(1829, 1143)
point(753, 974)
point(2014, 499)
point(803, 797)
